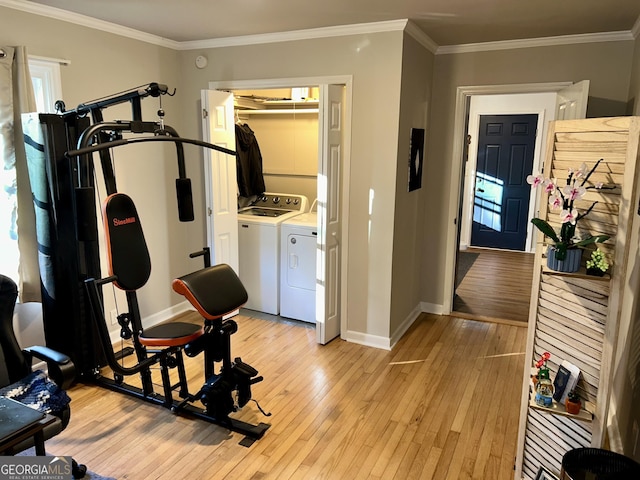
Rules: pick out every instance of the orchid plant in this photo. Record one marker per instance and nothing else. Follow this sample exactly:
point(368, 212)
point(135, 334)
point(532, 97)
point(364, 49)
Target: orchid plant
point(564, 197)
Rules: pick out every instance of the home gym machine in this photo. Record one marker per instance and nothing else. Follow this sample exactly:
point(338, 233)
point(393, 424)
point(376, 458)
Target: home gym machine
point(73, 311)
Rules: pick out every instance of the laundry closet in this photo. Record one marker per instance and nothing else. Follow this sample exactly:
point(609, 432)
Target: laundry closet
point(277, 232)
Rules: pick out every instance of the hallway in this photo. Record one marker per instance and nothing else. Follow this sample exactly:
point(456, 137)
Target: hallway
point(495, 287)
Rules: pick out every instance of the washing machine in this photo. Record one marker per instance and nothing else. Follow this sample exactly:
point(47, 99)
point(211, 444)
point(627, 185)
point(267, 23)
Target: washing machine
point(298, 267)
point(259, 247)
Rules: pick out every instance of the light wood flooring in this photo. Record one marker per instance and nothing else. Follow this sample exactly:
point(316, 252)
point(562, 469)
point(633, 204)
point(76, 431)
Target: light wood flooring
point(444, 404)
point(497, 287)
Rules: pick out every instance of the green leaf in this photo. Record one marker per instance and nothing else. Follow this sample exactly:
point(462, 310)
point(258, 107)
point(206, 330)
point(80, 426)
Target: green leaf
point(593, 239)
point(545, 228)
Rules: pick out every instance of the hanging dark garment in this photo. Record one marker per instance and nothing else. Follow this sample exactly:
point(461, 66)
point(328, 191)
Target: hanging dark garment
point(249, 162)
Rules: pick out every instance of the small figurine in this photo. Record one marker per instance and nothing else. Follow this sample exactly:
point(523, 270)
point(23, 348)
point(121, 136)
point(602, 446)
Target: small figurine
point(544, 386)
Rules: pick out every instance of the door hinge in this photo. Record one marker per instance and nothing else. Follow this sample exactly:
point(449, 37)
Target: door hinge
point(209, 211)
point(205, 114)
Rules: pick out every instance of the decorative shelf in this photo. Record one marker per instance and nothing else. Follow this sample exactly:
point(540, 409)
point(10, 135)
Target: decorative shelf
point(582, 273)
point(558, 409)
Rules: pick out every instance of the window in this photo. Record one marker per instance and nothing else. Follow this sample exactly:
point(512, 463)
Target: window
point(47, 86)
point(45, 76)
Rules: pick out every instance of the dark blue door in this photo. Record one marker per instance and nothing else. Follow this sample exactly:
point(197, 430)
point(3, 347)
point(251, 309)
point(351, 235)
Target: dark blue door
point(501, 201)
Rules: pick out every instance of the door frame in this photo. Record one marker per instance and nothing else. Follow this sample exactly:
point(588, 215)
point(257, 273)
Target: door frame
point(347, 81)
point(457, 181)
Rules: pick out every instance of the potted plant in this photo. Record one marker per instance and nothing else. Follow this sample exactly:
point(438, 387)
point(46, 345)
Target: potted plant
point(573, 403)
point(597, 265)
point(565, 252)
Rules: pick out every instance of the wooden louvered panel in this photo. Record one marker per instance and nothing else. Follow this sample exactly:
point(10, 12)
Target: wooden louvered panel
point(591, 138)
point(565, 160)
point(566, 295)
point(548, 438)
point(574, 316)
point(579, 313)
point(595, 290)
point(559, 433)
point(592, 346)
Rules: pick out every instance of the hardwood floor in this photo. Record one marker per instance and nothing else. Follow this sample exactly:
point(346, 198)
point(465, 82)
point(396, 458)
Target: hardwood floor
point(497, 287)
point(444, 404)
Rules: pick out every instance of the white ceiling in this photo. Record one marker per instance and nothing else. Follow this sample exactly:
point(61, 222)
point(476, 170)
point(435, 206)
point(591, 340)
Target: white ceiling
point(447, 22)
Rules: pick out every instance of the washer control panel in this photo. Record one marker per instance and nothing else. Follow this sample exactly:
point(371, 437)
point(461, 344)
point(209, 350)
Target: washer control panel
point(282, 201)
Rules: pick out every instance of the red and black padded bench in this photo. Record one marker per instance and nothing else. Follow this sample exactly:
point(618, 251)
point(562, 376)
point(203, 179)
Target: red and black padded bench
point(129, 270)
point(213, 291)
point(216, 292)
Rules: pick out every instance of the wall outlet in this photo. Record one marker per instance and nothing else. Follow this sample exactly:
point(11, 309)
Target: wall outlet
point(114, 317)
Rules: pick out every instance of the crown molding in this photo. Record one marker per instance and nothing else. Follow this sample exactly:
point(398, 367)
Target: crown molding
point(536, 42)
point(422, 38)
point(335, 31)
point(89, 22)
point(308, 34)
point(635, 31)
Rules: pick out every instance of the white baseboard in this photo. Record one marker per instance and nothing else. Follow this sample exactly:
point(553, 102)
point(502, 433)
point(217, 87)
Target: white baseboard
point(367, 340)
point(402, 329)
point(436, 309)
point(155, 319)
point(385, 343)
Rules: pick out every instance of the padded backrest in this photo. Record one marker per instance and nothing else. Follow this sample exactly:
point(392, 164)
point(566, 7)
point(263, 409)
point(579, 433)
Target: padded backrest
point(127, 250)
point(214, 291)
point(13, 364)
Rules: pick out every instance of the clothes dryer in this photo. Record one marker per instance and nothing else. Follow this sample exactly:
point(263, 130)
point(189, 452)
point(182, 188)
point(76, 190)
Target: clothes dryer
point(298, 267)
point(259, 247)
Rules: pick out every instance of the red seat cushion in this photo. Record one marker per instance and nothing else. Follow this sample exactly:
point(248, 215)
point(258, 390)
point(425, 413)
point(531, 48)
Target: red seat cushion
point(174, 334)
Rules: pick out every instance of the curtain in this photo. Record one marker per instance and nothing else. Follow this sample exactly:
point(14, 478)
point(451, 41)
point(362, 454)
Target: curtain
point(17, 218)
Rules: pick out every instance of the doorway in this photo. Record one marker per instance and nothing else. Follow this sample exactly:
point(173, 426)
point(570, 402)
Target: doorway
point(331, 164)
point(493, 263)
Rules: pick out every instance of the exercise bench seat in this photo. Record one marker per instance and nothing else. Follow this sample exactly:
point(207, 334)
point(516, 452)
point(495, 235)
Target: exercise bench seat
point(130, 263)
point(214, 291)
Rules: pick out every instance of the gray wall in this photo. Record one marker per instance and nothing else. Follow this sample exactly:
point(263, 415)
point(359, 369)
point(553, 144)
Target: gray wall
point(415, 97)
point(594, 62)
point(634, 89)
point(104, 64)
point(624, 413)
point(374, 62)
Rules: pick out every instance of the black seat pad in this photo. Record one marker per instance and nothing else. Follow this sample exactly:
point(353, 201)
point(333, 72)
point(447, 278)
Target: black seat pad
point(172, 334)
point(214, 291)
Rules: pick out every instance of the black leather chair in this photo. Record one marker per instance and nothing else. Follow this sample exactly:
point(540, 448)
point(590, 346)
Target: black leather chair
point(15, 365)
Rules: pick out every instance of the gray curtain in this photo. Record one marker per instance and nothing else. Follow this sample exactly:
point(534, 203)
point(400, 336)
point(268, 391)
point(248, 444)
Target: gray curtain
point(16, 97)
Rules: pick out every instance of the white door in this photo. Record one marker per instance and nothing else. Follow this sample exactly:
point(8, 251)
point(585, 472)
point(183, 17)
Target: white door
point(330, 123)
point(572, 101)
point(221, 182)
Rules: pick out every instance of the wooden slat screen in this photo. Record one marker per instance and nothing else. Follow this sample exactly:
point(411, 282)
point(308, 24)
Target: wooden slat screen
point(574, 316)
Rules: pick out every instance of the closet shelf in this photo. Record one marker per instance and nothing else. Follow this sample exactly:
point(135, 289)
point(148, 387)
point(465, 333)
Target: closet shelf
point(278, 111)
